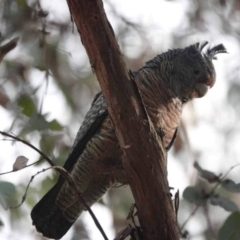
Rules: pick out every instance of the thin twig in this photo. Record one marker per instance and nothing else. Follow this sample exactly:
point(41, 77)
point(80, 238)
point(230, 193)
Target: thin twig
point(210, 227)
point(29, 165)
point(45, 92)
point(230, 169)
point(210, 194)
point(68, 177)
point(31, 179)
point(30, 145)
point(222, 178)
point(64, 173)
point(189, 217)
point(8, 47)
point(8, 140)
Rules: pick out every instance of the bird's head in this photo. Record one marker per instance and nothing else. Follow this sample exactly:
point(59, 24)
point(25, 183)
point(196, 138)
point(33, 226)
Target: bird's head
point(192, 71)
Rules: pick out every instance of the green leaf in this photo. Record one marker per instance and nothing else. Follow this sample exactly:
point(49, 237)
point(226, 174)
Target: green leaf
point(47, 143)
point(55, 125)
point(225, 203)
point(38, 122)
point(1, 223)
point(7, 190)
point(230, 186)
point(195, 196)
point(230, 229)
point(27, 105)
point(207, 175)
point(61, 159)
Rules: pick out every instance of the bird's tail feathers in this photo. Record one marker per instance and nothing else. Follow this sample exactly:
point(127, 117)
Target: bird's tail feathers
point(53, 222)
point(48, 218)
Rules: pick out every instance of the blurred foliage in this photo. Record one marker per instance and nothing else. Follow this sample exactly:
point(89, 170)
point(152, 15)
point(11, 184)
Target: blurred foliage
point(230, 229)
point(200, 196)
point(45, 62)
point(7, 191)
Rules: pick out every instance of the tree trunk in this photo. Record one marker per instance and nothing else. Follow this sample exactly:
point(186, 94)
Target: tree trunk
point(145, 159)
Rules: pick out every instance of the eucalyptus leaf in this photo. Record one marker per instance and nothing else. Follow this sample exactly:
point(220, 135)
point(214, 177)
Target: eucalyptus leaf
point(7, 190)
point(207, 175)
point(225, 203)
point(47, 143)
point(230, 229)
point(38, 122)
point(20, 163)
point(27, 105)
point(54, 125)
point(195, 196)
point(230, 186)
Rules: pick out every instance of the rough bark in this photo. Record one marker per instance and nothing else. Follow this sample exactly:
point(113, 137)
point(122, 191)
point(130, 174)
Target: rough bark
point(145, 159)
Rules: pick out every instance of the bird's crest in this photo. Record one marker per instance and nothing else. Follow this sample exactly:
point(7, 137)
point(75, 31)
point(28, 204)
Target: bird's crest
point(211, 52)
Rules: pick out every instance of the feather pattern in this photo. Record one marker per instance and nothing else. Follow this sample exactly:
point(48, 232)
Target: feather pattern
point(165, 84)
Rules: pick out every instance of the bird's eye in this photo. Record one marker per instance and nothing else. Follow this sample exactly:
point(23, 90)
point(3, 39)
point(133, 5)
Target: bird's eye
point(196, 72)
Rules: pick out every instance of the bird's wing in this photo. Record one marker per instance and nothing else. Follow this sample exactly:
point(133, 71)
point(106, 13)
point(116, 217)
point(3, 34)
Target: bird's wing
point(47, 216)
point(90, 125)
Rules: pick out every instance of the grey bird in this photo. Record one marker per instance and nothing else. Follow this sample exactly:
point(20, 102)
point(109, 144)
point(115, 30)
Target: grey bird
point(166, 83)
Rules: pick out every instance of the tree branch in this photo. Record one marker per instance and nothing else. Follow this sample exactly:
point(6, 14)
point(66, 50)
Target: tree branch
point(30, 145)
point(145, 159)
point(6, 48)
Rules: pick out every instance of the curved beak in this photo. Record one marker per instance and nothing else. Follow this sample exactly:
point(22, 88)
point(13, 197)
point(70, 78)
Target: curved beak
point(200, 90)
